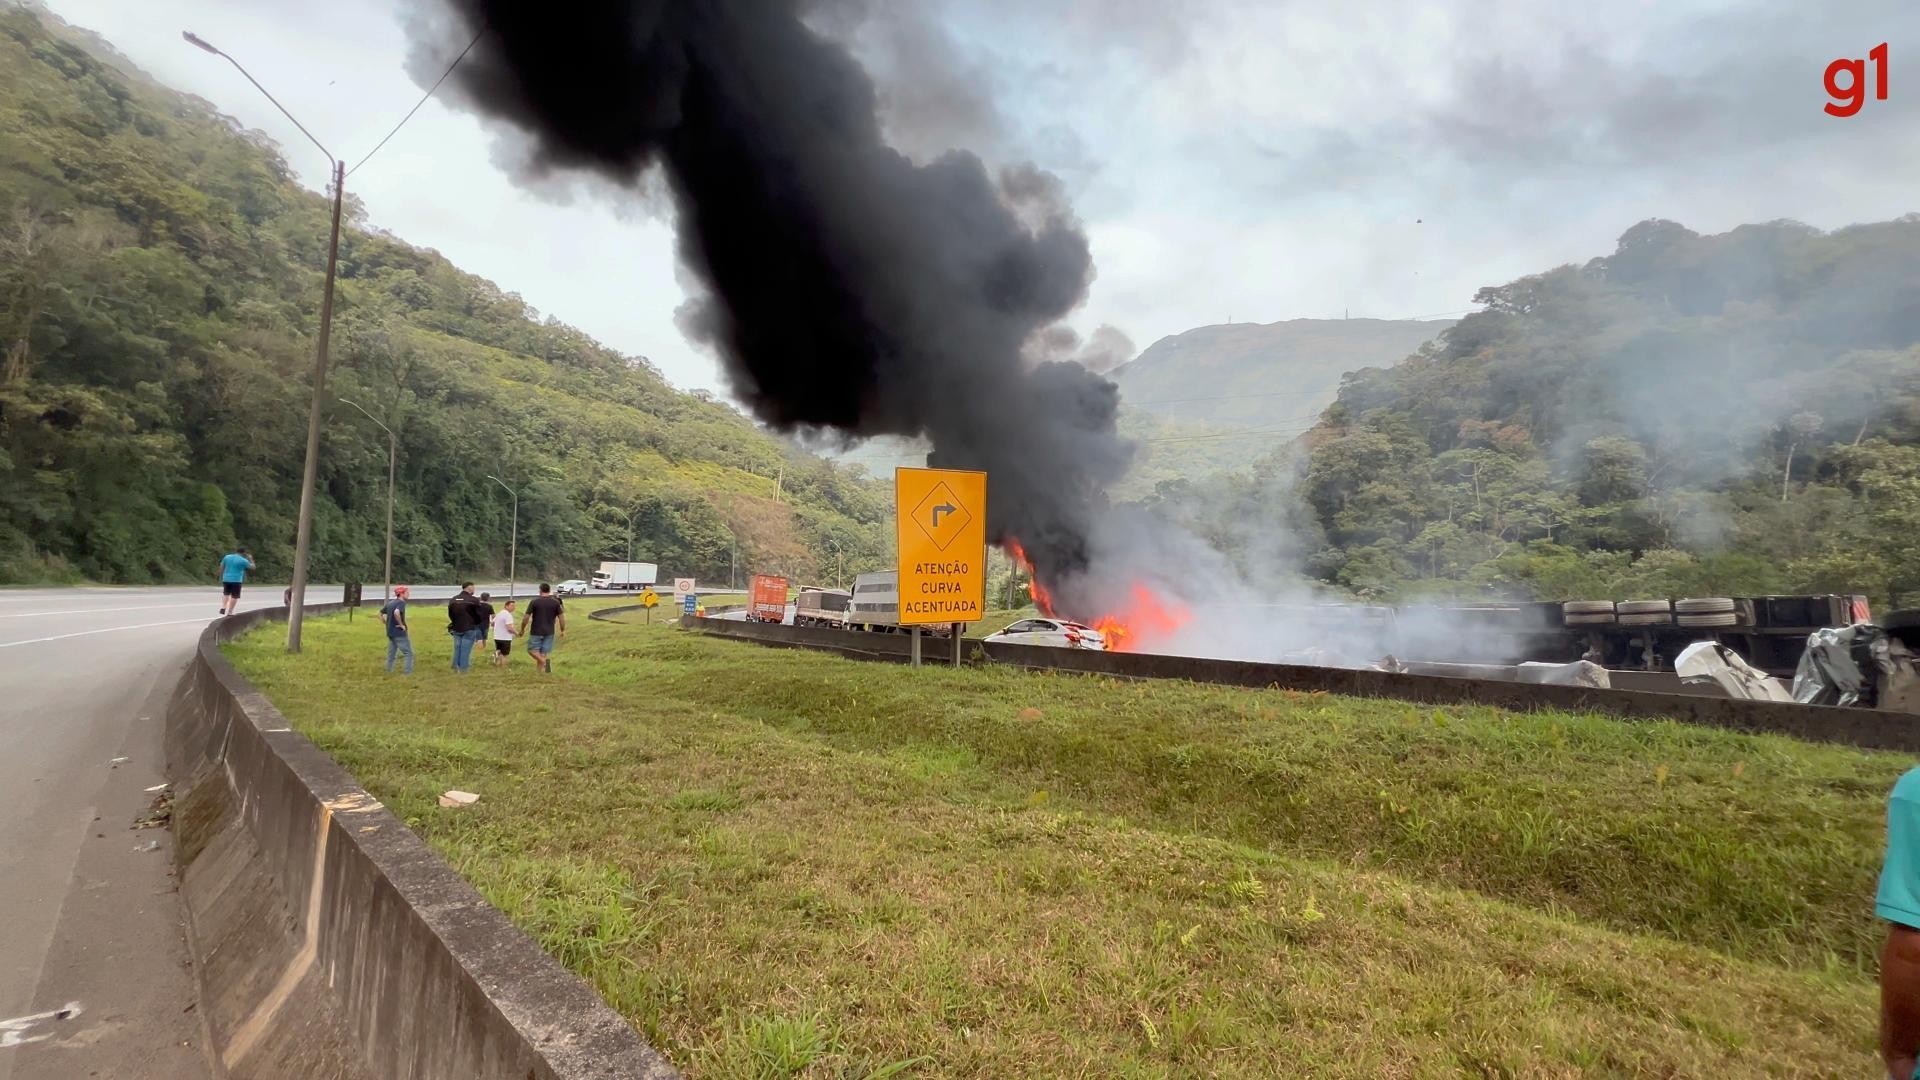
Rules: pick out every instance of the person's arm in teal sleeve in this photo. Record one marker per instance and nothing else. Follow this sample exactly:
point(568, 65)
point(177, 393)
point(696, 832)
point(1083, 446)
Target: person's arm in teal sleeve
point(1898, 903)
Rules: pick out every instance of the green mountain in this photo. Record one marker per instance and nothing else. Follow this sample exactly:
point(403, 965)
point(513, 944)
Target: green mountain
point(1262, 375)
point(1219, 398)
point(160, 277)
point(1690, 415)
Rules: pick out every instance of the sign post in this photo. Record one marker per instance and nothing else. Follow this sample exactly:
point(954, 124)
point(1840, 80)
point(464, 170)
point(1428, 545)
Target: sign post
point(940, 523)
point(648, 598)
point(683, 587)
point(350, 596)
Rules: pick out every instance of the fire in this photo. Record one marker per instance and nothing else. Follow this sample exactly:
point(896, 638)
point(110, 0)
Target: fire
point(1145, 614)
point(1042, 599)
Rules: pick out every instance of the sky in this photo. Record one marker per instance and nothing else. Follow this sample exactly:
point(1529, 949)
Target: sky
point(1230, 160)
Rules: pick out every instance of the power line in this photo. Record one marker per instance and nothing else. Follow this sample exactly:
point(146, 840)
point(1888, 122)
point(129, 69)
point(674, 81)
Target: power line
point(422, 101)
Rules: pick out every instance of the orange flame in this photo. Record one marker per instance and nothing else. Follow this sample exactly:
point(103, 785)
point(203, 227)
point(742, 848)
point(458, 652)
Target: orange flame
point(1042, 599)
point(1147, 614)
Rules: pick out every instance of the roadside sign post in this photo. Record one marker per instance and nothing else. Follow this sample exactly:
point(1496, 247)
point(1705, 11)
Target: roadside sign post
point(940, 523)
point(350, 596)
point(648, 598)
point(686, 604)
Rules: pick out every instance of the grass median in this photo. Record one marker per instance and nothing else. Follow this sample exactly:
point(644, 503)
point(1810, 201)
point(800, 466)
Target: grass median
point(779, 863)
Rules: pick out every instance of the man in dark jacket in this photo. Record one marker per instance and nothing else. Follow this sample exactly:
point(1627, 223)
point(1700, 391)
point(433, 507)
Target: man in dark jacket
point(465, 624)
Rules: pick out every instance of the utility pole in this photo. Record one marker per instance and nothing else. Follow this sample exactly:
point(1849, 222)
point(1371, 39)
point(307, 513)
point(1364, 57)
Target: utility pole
point(303, 532)
point(630, 517)
point(393, 451)
point(513, 549)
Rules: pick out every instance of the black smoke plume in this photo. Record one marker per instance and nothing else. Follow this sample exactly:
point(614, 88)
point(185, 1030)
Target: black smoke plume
point(846, 287)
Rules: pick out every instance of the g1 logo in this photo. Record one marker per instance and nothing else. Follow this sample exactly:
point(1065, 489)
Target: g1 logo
point(1848, 99)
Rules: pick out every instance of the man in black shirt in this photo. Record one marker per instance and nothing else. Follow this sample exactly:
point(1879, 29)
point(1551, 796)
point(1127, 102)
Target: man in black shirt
point(464, 624)
point(546, 615)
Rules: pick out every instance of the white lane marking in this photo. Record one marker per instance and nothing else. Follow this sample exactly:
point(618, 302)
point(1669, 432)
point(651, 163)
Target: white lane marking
point(103, 630)
point(13, 1032)
point(92, 610)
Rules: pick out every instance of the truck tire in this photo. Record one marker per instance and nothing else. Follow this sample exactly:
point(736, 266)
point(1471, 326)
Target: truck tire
point(1590, 620)
point(1711, 618)
point(1587, 607)
point(1643, 607)
point(1703, 605)
point(1647, 618)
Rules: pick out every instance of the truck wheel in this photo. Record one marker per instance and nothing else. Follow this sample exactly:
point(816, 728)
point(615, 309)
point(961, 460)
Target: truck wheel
point(1643, 607)
point(1647, 618)
point(1704, 605)
point(1712, 618)
point(1587, 607)
point(1590, 620)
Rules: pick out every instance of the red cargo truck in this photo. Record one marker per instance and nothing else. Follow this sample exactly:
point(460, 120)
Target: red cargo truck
point(767, 599)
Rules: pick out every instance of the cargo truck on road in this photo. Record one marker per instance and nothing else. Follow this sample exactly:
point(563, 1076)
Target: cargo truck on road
point(767, 599)
point(625, 575)
point(821, 607)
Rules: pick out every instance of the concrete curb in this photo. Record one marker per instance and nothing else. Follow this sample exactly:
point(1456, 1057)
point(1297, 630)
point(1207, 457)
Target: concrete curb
point(1865, 728)
point(329, 941)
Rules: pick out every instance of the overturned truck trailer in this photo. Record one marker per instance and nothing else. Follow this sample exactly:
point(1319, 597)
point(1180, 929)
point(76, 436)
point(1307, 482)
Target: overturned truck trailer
point(1768, 632)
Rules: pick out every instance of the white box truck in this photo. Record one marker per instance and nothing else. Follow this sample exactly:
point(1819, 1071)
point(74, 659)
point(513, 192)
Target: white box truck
point(625, 575)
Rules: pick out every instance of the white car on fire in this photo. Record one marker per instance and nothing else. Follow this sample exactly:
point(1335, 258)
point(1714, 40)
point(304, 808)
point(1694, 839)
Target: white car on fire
point(1056, 632)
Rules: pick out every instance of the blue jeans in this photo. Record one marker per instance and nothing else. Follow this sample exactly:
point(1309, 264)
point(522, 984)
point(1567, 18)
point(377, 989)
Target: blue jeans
point(463, 650)
point(540, 643)
point(398, 647)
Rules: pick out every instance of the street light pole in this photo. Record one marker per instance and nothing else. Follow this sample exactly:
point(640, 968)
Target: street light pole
point(513, 549)
point(303, 533)
point(393, 449)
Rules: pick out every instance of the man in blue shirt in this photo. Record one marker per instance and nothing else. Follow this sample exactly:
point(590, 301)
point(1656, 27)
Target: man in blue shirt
point(233, 572)
point(1899, 904)
point(399, 644)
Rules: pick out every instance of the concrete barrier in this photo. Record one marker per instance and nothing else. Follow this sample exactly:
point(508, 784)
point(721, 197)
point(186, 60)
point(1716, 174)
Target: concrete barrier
point(1866, 728)
point(329, 941)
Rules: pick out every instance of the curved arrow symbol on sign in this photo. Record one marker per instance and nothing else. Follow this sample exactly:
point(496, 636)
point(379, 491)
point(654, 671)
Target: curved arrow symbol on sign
point(943, 508)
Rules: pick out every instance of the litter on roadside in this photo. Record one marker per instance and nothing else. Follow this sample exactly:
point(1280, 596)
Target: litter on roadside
point(458, 798)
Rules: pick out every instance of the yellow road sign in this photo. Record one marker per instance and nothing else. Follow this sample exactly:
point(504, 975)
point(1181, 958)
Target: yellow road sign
point(649, 598)
point(940, 519)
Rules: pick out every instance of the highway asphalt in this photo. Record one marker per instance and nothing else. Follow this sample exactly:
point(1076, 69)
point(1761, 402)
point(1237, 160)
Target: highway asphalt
point(90, 922)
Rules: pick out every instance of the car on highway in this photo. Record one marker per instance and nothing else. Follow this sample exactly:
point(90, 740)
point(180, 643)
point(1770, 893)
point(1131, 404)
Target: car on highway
point(1056, 632)
point(571, 587)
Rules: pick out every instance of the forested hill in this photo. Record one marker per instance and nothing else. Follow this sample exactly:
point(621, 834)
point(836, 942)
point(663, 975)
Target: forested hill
point(160, 279)
point(1262, 374)
point(1689, 415)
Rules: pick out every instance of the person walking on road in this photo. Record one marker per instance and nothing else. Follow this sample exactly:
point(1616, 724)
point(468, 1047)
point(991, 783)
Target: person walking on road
point(465, 624)
point(503, 635)
point(546, 616)
point(399, 644)
point(233, 574)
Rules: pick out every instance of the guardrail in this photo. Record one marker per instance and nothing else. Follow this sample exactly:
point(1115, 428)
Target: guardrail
point(1865, 728)
point(329, 940)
